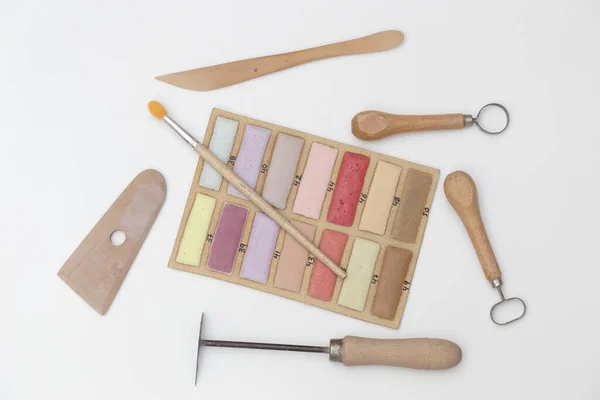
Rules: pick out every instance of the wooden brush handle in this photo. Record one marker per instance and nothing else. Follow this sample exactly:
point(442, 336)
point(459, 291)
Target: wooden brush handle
point(373, 125)
point(408, 353)
point(261, 203)
point(461, 192)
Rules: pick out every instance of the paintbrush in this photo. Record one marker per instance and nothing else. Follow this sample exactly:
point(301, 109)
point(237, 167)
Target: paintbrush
point(158, 111)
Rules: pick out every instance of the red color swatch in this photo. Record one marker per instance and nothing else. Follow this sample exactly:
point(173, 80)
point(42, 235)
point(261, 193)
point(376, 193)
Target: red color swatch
point(322, 279)
point(347, 190)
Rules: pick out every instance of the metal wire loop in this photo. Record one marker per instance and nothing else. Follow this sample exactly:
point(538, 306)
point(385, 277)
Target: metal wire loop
point(504, 301)
point(500, 106)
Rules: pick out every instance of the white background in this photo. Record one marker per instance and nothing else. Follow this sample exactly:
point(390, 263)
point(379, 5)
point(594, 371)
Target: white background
point(75, 78)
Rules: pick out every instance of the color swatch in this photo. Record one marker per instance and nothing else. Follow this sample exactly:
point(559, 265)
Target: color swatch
point(225, 131)
point(322, 279)
point(365, 210)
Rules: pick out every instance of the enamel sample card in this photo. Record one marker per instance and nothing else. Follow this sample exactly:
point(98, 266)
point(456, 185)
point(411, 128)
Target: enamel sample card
point(365, 210)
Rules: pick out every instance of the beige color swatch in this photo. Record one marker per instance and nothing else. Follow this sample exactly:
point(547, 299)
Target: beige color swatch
point(381, 196)
point(290, 270)
point(282, 169)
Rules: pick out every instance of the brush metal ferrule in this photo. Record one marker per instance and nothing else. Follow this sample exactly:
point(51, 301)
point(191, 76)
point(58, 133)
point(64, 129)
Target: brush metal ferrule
point(182, 132)
point(335, 350)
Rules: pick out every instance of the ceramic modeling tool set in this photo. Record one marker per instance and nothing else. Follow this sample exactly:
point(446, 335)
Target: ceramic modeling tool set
point(299, 216)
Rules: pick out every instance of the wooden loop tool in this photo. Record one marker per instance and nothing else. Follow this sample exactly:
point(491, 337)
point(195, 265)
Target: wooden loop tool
point(373, 125)
point(461, 192)
point(97, 268)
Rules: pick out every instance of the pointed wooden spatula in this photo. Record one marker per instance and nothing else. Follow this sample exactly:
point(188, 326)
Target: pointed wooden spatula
point(218, 76)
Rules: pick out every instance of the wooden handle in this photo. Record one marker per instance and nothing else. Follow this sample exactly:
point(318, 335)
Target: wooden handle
point(218, 76)
point(373, 125)
point(261, 203)
point(462, 195)
point(408, 353)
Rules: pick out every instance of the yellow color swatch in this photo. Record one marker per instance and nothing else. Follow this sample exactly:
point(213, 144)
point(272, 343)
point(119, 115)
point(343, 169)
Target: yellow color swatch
point(360, 272)
point(194, 235)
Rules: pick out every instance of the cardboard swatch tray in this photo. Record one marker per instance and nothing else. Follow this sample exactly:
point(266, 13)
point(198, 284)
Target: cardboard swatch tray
point(365, 210)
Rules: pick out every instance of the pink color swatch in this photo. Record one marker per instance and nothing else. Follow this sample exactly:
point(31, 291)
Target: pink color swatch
point(315, 180)
point(347, 190)
point(292, 263)
point(322, 280)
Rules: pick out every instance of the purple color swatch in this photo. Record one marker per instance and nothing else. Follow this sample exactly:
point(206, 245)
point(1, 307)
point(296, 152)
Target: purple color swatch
point(257, 260)
point(249, 158)
point(227, 238)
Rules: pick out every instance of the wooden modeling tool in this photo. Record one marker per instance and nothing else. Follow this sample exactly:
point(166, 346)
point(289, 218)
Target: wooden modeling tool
point(422, 353)
point(373, 125)
point(158, 111)
point(97, 268)
point(222, 75)
point(461, 192)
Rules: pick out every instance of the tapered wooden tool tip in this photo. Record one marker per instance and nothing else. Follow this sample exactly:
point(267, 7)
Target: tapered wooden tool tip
point(460, 190)
point(157, 109)
point(395, 38)
point(443, 354)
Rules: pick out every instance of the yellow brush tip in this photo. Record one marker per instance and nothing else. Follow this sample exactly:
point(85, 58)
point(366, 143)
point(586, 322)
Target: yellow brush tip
point(157, 109)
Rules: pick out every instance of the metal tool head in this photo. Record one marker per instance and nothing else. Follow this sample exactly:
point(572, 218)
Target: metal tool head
point(504, 301)
point(469, 120)
point(198, 351)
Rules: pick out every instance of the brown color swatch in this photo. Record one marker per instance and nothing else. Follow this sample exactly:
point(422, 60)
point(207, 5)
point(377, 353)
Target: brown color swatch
point(411, 207)
point(391, 282)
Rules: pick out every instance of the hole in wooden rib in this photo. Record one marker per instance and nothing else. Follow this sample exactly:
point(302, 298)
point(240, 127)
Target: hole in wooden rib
point(117, 238)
